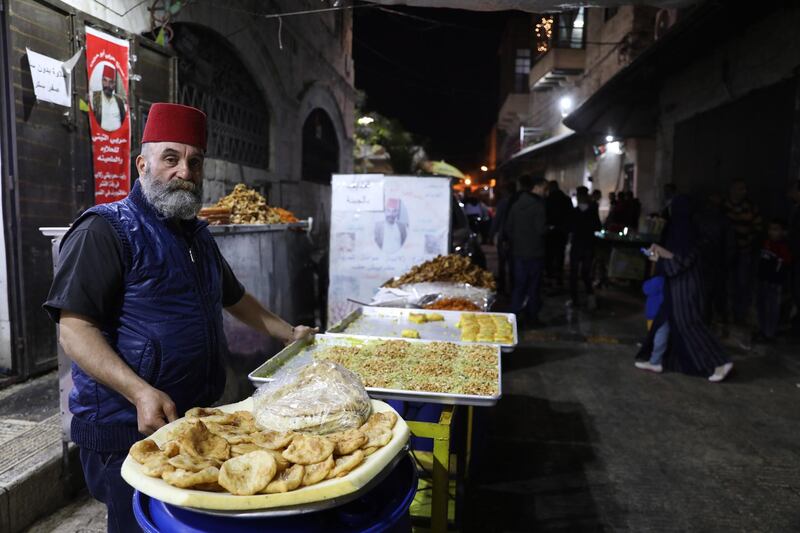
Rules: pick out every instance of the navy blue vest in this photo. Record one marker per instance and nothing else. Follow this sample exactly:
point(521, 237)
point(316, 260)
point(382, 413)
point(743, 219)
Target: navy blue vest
point(169, 326)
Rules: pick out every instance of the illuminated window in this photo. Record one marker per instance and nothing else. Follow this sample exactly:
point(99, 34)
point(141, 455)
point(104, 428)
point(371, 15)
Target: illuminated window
point(522, 69)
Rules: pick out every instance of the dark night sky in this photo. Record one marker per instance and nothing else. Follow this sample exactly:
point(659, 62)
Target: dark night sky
point(435, 70)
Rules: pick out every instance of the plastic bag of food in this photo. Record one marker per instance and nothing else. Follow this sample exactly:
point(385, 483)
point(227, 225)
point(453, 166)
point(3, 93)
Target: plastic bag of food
point(427, 294)
point(321, 397)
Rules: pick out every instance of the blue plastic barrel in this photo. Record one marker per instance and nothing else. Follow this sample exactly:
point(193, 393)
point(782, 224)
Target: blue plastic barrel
point(382, 509)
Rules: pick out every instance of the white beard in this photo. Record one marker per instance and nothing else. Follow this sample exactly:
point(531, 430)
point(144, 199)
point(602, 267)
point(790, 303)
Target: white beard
point(171, 199)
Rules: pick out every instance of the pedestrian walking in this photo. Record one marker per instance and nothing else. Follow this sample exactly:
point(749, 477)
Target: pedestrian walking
point(747, 225)
point(500, 238)
point(773, 266)
point(526, 227)
point(716, 255)
point(678, 339)
point(584, 222)
point(558, 209)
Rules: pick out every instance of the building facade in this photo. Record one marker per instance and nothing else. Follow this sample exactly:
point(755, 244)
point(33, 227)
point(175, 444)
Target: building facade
point(278, 93)
point(576, 52)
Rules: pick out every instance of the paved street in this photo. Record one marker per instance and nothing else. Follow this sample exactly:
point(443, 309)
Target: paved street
point(582, 441)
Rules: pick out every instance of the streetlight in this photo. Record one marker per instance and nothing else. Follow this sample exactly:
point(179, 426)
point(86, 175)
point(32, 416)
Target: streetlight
point(365, 121)
point(484, 168)
point(467, 181)
point(565, 105)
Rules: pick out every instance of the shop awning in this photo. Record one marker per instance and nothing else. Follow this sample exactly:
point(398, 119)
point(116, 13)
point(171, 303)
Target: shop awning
point(545, 143)
point(529, 151)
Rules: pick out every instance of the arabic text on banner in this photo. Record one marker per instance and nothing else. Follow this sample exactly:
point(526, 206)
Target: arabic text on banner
point(49, 79)
point(109, 115)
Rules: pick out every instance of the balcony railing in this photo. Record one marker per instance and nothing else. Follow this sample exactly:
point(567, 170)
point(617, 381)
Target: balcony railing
point(562, 30)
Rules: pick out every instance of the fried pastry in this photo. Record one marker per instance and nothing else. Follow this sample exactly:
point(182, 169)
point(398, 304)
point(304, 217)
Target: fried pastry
point(185, 479)
point(192, 464)
point(314, 473)
point(386, 419)
point(210, 487)
point(346, 442)
point(200, 443)
point(156, 464)
point(202, 412)
point(171, 448)
point(144, 449)
point(247, 474)
point(273, 440)
point(377, 436)
point(346, 463)
point(243, 448)
point(308, 449)
point(232, 434)
point(289, 479)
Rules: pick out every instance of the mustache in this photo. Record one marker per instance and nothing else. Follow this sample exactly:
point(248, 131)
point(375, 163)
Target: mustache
point(180, 185)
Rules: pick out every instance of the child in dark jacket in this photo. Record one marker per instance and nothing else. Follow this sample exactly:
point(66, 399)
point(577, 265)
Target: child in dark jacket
point(773, 267)
point(584, 222)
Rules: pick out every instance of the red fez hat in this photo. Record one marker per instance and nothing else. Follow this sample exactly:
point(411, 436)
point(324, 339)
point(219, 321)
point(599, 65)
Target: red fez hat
point(109, 72)
point(175, 123)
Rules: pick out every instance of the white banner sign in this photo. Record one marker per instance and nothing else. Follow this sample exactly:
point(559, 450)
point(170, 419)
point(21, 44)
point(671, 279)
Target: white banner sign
point(50, 80)
point(371, 244)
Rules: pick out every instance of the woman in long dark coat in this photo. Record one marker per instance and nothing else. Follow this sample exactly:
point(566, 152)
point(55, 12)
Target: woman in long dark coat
point(678, 339)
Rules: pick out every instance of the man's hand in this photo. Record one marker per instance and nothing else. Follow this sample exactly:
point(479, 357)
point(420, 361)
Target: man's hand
point(153, 410)
point(301, 332)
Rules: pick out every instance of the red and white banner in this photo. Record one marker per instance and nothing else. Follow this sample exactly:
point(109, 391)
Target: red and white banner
point(109, 116)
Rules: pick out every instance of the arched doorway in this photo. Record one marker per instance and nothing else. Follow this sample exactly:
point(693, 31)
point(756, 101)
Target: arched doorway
point(211, 77)
point(320, 148)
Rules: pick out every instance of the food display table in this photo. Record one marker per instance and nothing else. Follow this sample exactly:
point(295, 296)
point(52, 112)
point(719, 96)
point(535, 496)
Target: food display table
point(439, 430)
point(622, 253)
point(370, 322)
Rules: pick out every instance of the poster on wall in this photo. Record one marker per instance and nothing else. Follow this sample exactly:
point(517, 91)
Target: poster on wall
point(381, 226)
point(109, 114)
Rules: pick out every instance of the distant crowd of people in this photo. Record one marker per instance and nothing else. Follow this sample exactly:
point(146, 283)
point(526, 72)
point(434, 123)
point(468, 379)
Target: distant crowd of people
point(532, 227)
point(711, 262)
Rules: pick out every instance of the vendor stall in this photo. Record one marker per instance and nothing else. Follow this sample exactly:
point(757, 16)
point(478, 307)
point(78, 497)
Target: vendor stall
point(621, 255)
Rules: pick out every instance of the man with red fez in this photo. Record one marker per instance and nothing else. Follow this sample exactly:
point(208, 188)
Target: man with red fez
point(138, 294)
point(108, 108)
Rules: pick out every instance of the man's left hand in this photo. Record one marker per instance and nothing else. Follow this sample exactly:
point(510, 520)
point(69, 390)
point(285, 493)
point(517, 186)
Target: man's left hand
point(301, 332)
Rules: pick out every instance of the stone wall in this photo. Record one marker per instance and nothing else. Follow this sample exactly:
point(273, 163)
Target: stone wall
point(755, 57)
point(299, 63)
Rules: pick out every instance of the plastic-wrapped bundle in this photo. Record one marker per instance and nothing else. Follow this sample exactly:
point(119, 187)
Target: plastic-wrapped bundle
point(321, 397)
point(425, 294)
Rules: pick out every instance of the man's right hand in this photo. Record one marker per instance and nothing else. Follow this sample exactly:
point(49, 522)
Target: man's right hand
point(153, 410)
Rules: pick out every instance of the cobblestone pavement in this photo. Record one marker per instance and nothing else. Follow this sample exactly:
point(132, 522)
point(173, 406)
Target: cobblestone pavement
point(83, 515)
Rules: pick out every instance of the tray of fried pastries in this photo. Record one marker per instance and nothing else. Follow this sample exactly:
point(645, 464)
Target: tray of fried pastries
point(220, 461)
point(453, 326)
